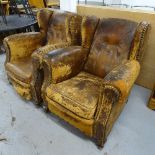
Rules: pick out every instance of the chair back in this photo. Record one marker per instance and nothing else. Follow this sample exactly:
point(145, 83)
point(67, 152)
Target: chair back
point(111, 45)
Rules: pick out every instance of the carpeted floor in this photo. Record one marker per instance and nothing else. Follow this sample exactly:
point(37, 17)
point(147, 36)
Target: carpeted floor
point(27, 130)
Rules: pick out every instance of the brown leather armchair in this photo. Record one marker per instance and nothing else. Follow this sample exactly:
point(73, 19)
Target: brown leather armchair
point(89, 89)
point(56, 30)
point(63, 31)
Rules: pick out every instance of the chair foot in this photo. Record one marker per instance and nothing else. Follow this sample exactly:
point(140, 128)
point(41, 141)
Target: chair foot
point(45, 108)
point(151, 105)
point(9, 81)
point(36, 96)
point(100, 143)
point(37, 102)
point(37, 105)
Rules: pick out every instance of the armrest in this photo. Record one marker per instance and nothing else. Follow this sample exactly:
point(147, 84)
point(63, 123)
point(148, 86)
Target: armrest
point(38, 75)
point(113, 94)
point(38, 55)
point(120, 80)
point(123, 76)
point(22, 45)
point(62, 64)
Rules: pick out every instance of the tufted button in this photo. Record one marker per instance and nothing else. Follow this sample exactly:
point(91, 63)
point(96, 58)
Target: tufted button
point(112, 39)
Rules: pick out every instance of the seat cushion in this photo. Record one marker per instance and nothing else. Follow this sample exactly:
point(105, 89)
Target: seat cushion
point(21, 69)
point(79, 94)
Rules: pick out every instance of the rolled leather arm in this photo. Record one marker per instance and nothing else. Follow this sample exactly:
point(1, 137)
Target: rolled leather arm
point(124, 76)
point(22, 45)
point(62, 64)
point(38, 75)
point(113, 94)
point(38, 55)
point(37, 58)
point(120, 81)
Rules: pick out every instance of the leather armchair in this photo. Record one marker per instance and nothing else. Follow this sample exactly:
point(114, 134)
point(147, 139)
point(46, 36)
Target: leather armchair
point(56, 31)
point(79, 27)
point(89, 88)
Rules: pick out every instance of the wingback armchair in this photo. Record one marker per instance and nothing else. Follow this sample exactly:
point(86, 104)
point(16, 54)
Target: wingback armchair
point(56, 30)
point(89, 88)
point(63, 31)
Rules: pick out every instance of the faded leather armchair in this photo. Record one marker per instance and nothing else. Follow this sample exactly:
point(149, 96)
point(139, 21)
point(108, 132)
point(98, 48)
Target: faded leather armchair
point(89, 88)
point(55, 32)
point(63, 31)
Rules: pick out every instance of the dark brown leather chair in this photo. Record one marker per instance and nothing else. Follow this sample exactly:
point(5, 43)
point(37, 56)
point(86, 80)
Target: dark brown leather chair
point(63, 31)
point(89, 89)
point(55, 32)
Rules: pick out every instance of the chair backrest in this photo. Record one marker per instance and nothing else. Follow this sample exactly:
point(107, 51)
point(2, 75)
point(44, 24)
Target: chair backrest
point(111, 45)
point(52, 2)
point(60, 26)
point(88, 28)
point(38, 3)
point(43, 17)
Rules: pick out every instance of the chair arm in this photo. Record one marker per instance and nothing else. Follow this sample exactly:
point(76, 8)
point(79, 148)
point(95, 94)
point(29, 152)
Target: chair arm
point(62, 64)
point(38, 75)
point(113, 94)
point(123, 76)
point(22, 45)
point(109, 96)
point(38, 55)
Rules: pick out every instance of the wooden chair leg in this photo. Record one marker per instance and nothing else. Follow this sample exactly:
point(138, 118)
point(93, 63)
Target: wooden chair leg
point(151, 103)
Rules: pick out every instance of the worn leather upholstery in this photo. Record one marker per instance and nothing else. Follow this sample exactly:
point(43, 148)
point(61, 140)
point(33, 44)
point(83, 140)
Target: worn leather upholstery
point(111, 46)
point(21, 69)
point(58, 28)
point(89, 88)
point(25, 50)
point(82, 105)
point(18, 64)
point(66, 62)
point(43, 17)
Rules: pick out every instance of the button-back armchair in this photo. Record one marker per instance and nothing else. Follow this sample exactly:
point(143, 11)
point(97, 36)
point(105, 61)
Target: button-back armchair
point(89, 89)
point(54, 33)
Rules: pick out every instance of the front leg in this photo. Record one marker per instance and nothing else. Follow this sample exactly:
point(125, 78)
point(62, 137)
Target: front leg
point(109, 96)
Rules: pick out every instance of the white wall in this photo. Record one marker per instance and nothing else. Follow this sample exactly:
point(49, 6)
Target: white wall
point(107, 1)
point(70, 5)
point(139, 2)
point(129, 2)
